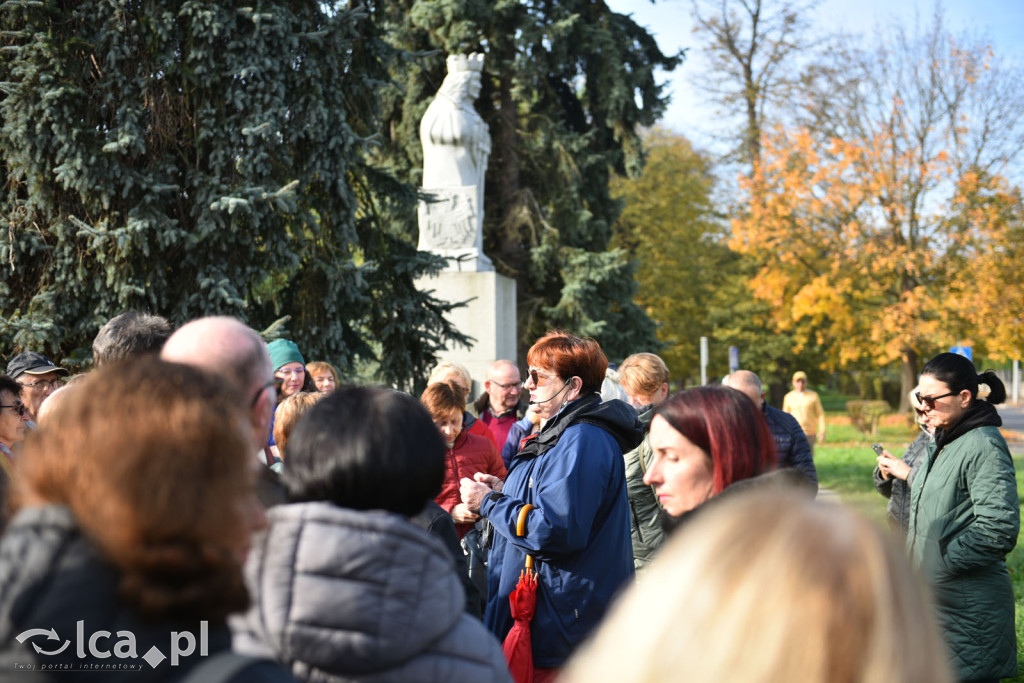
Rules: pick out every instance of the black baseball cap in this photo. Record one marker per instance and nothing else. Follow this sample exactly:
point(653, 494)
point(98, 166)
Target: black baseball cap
point(32, 363)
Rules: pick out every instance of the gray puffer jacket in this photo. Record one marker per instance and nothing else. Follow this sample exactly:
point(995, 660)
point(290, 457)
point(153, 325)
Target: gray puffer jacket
point(346, 595)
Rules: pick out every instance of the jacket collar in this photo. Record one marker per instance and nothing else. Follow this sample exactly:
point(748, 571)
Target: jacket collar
point(615, 417)
point(978, 414)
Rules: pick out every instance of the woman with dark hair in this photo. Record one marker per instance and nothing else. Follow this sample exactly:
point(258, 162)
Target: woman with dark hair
point(573, 474)
point(705, 440)
point(290, 378)
point(345, 587)
point(135, 502)
point(965, 515)
point(290, 368)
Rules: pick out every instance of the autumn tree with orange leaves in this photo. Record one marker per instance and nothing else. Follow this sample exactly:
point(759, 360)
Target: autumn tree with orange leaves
point(887, 223)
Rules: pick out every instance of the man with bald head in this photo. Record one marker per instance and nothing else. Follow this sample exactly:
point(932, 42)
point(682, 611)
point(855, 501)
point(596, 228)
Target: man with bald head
point(228, 347)
point(791, 444)
point(500, 406)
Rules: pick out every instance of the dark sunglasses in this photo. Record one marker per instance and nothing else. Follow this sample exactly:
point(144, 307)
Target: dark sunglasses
point(18, 408)
point(536, 375)
point(929, 401)
point(259, 392)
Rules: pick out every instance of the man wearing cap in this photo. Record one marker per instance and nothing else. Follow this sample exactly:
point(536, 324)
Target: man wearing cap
point(38, 376)
point(805, 406)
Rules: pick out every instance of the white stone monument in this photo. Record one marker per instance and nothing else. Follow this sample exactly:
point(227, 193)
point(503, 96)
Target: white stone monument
point(456, 146)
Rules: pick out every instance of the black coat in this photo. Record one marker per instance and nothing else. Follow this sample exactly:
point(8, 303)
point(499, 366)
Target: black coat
point(53, 578)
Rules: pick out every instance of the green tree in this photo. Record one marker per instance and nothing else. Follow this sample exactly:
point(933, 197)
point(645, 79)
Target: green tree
point(887, 201)
point(752, 48)
point(566, 86)
point(670, 228)
point(193, 158)
point(690, 283)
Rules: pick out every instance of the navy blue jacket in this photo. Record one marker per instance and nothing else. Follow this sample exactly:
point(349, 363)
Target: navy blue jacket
point(573, 473)
point(791, 445)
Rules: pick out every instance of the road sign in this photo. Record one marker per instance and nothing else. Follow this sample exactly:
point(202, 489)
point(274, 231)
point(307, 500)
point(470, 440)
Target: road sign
point(965, 351)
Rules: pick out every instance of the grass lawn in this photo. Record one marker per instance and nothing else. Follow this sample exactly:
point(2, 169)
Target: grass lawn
point(844, 466)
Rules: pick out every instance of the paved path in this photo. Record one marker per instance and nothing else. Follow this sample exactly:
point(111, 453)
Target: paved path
point(1013, 421)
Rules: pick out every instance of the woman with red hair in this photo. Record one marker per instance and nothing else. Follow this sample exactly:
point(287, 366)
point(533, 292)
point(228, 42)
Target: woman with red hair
point(573, 474)
point(705, 440)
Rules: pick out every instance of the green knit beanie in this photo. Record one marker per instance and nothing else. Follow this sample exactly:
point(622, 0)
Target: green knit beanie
point(282, 352)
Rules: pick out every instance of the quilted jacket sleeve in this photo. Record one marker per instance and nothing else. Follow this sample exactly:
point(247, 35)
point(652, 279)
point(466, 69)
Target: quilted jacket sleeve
point(992, 484)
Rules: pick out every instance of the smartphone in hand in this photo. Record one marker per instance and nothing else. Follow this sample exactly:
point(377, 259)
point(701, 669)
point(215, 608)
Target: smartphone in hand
point(877, 447)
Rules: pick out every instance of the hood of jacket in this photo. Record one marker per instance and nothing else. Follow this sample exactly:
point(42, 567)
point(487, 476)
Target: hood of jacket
point(348, 592)
point(53, 577)
point(645, 415)
point(978, 414)
point(616, 417)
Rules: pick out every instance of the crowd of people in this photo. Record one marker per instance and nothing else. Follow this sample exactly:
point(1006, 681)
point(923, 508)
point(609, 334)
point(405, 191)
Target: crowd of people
point(204, 505)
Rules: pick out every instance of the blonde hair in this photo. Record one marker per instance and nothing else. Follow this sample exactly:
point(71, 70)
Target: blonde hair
point(772, 588)
point(288, 413)
point(446, 367)
point(642, 374)
point(321, 366)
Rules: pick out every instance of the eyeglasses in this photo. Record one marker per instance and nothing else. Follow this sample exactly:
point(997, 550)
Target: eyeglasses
point(535, 374)
point(298, 372)
point(52, 384)
point(511, 385)
point(929, 401)
point(18, 408)
point(256, 397)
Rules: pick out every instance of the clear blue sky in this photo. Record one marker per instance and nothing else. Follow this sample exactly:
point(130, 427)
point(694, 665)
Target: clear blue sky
point(1001, 21)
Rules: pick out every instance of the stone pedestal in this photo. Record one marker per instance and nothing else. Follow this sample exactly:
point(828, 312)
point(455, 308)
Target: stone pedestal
point(489, 317)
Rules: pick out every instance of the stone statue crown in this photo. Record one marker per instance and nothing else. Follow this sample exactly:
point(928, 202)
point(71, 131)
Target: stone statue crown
point(473, 62)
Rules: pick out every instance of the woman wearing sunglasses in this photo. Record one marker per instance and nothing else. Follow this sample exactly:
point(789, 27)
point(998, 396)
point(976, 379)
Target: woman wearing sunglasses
point(573, 474)
point(965, 515)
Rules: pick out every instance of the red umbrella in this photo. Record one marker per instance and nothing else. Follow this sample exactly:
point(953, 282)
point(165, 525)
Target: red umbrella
point(522, 601)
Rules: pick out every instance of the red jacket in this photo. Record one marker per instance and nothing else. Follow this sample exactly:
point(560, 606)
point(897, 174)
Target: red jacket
point(469, 455)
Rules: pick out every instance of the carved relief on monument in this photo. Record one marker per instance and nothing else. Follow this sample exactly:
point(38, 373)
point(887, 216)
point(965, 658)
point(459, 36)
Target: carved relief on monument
point(456, 146)
point(449, 222)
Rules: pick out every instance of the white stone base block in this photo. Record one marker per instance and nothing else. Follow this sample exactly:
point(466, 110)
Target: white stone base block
point(489, 317)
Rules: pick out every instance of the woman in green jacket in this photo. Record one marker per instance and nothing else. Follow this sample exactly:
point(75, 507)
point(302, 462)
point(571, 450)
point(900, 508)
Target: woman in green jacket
point(964, 517)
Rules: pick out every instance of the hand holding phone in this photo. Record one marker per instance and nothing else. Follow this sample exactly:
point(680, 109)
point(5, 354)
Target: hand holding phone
point(889, 465)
